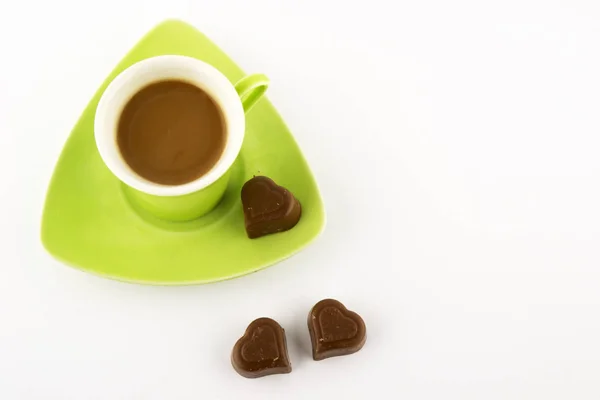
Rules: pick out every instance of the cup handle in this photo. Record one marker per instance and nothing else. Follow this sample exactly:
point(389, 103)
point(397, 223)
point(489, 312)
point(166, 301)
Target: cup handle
point(250, 89)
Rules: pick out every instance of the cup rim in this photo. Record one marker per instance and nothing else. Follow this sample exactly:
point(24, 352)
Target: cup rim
point(197, 72)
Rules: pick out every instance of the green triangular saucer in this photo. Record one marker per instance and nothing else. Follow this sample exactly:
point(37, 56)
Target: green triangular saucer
point(89, 224)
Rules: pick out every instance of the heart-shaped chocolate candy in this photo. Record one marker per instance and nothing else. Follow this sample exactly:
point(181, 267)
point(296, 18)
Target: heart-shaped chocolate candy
point(262, 350)
point(335, 330)
point(268, 207)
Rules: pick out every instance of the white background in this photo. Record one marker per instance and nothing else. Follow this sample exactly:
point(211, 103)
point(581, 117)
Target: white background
point(456, 145)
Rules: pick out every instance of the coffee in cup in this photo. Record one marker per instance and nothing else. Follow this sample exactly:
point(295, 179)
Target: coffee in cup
point(171, 132)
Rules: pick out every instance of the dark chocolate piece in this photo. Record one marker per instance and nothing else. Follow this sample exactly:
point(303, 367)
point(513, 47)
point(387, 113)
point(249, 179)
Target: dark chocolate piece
point(268, 207)
point(262, 350)
point(335, 330)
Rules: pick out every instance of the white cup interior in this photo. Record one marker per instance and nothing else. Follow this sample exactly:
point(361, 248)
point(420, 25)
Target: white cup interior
point(155, 69)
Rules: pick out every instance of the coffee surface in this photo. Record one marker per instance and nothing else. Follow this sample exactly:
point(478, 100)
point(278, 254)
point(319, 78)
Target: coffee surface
point(171, 132)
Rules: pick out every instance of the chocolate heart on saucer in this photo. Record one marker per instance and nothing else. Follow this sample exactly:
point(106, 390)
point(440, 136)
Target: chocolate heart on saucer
point(268, 207)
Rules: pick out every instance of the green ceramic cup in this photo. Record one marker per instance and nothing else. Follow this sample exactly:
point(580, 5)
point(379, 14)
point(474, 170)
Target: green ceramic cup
point(193, 199)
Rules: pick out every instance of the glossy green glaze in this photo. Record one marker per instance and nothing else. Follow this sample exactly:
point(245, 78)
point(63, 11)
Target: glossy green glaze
point(92, 222)
point(179, 208)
